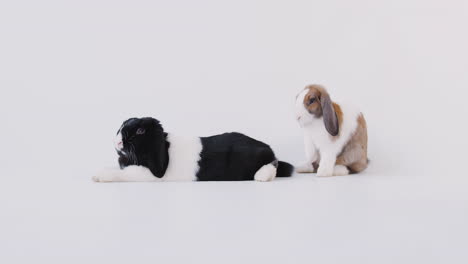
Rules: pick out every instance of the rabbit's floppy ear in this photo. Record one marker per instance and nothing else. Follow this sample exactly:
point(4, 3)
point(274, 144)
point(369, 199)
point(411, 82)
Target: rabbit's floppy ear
point(158, 157)
point(329, 116)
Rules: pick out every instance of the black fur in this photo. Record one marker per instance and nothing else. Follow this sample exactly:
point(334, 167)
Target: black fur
point(226, 157)
point(232, 157)
point(284, 169)
point(148, 147)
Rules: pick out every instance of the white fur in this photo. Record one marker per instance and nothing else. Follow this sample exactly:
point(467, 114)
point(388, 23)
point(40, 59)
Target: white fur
point(184, 154)
point(129, 174)
point(340, 170)
point(305, 168)
point(318, 142)
point(118, 143)
point(266, 173)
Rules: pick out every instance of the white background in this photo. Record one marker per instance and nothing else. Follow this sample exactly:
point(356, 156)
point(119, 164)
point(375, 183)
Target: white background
point(71, 72)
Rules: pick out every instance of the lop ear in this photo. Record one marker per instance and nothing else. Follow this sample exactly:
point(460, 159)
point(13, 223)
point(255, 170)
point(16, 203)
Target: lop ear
point(158, 158)
point(329, 116)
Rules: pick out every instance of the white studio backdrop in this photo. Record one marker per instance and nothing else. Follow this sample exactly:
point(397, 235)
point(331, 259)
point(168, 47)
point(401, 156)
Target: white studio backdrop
point(72, 71)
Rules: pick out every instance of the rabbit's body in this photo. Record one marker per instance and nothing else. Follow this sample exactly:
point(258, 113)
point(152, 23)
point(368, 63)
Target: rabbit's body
point(147, 153)
point(337, 147)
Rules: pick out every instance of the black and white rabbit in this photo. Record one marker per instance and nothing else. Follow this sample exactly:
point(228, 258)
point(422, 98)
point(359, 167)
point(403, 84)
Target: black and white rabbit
point(147, 153)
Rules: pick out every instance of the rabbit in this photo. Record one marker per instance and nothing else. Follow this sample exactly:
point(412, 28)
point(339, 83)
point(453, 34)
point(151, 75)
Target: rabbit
point(335, 135)
point(147, 153)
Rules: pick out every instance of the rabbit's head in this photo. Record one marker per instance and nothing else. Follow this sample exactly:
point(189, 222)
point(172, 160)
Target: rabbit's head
point(314, 104)
point(142, 141)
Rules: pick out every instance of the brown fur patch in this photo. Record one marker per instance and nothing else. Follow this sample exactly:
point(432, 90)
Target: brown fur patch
point(313, 103)
point(314, 94)
point(339, 115)
point(354, 154)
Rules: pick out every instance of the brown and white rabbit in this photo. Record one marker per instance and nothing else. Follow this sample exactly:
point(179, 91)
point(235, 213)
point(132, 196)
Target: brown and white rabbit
point(335, 135)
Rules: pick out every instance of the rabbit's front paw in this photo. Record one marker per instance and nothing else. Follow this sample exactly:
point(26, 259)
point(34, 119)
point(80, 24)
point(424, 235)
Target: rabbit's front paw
point(107, 175)
point(305, 168)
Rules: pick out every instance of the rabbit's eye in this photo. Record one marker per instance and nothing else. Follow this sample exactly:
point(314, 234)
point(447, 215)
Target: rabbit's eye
point(140, 131)
point(311, 100)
